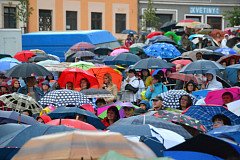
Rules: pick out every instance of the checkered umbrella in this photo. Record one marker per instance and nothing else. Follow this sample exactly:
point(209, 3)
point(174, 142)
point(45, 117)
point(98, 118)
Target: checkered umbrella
point(20, 102)
point(171, 98)
point(64, 97)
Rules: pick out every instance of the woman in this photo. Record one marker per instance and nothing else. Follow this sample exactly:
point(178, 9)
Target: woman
point(84, 84)
point(109, 86)
point(146, 77)
point(15, 85)
point(190, 87)
point(112, 116)
point(185, 101)
point(69, 85)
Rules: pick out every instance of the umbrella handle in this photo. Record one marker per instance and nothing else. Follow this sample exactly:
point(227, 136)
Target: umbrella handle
point(77, 117)
point(60, 121)
point(19, 118)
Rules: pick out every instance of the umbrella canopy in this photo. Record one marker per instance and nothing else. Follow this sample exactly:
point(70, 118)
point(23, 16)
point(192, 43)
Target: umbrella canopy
point(228, 57)
point(163, 50)
point(47, 62)
point(9, 128)
point(75, 75)
point(205, 31)
point(201, 67)
point(108, 60)
point(39, 58)
point(128, 31)
point(205, 113)
point(183, 62)
point(38, 51)
point(25, 70)
point(72, 123)
point(168, 26)
point(212, 48)
point(182, 77)
point(200, 93)
point(24, 56)
point(207, 144)
point(136, 48)
point(126, 59)
point(60, 98)
point(173, 36)
point(83, 145)
point(232, 42)
point(82, 65)
point(116, 52)
point(5, 55)
point(102, 50)
point(152, 63)
point(171, 98)
point(156, 33)
point(232, 72)
point(185, 22)
point(206, 54)
point(226, 51)
point(9, 59)
point(15, 117)
point(6, 65)
point(82, 54)
point(201, 25)
point(181, 58)
point(96, 93)
point(99, 73)
point(156, 122)
point(20, 102)
point(81, 46)
point(215, 96)
point(161, 39)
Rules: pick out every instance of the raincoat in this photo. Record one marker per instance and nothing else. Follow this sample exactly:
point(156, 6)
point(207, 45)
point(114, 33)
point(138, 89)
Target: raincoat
point(129, 96)
point(213, 84)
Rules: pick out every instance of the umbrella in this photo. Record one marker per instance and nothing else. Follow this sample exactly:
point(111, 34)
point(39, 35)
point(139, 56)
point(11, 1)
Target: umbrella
point(171, 98)
point(173, 35)
point(75, 75)
point(152, 63)
point(5, 55)
point(8, 153)
point(166, 137)
point(183, 62)
point(108, 60)
point(82, 65)
point(99, 72)
point(226, 51)
point(228, 57)
point(39, 58)
point(102, 50)
point(9, 128)
point(201, 25)
point(58, 67)
point(116, 52)
point(212, 48)
point(23, 56)
point(215, 96)
point(47, 62)
point(156, 33)
point(180, 58)
point(205, 113)
point(136, 48)
point(38, 51)
point(96, 93)
point(206, 54)
point(232, 42)
point(126, 59)
point(182, 77)
point(200, 67)
point(228, 132)
point(20, 102)
point(232, 72)
point(64, 97)
point(72, 112)
point(72, 123)
point(156, 122)
point(128, 31)
point(15, 117)
point(205, 31)
point(167, 26)
point(6, 65)
point(81, 46)
point(207, 144)
point(161, 39)
point(163, 50)
point(8, 59)
point(181, 119)
point(200, 93)
point(83, 145)
point(25, 70)
point(82, 54)
point(185, 22)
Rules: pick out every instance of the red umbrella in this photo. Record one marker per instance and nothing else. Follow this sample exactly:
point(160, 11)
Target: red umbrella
point(23, 56)
point(156, 33)
point(72, 123)
point(182, 77)
point(182, 61)
point(82, 46)
point(75, 75)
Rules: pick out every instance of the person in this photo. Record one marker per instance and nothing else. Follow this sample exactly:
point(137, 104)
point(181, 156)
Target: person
point(84, 84)
point(31, 89)
point(128, 111)
point(186, 43)
point(179, 83)
point(4, 89)
point(232, 61)
point(212, 82)
point(185, 101)
point(45, 87)
point(190, 87)
point(163, 78)
point(69, 85)
point(15, 85)
point(128, 41)
point(112, 116)
point(109, 86)
point(224, 64)
point(224, 41)
point(144, 105)
point(227, 97)
point(199, 56)
point(146, 77)
point(100, 102)
point(220, 120)
point(238, 79)
point(179, 67)
point(157, 103)
point(157, 88)
point(43, 119)
point(27, 112)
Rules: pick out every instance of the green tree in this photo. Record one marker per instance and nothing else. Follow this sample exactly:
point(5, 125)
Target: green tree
point(23, 13)
point(149, 16)
point(233, 17)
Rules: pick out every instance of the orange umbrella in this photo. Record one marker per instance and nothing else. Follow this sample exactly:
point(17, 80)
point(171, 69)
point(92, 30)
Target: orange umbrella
point(99, 72)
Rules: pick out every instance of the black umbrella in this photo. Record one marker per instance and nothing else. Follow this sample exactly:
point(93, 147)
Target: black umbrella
point(80, 55)
point(152, 63)
point(39, 58)
point(5, 55)
point(232, 42)
point(168, 26)
point(25, 70)
point(108, 60)
point(126, 59)
point(212, 48)
point(161, 39)
point(102, 50)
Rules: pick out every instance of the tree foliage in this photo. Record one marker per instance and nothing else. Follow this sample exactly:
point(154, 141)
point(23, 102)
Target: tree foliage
point(233, 16)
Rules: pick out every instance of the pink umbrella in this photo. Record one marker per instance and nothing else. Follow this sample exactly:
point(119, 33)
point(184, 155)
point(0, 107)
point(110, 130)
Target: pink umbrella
point(118, 51)
point(215, 97)
point(182, 61)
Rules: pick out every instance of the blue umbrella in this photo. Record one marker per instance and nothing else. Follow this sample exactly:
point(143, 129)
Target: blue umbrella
point(152, 142)
point(71, 112)
point(229, 132)
point(6, 65)
point(9, 128)
point(15, 117)
point(195, 36)
point(226, 51)
point(200, 93)
point(152, 63)
point(163, 50)
point(205, 113)
point(231, 72)
point(128, 31)
point(108, 60)
point(8, 153)
point(126, 59)
point(8, 59)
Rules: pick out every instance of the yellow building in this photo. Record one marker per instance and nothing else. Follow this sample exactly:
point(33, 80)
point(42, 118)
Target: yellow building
point(63, 15)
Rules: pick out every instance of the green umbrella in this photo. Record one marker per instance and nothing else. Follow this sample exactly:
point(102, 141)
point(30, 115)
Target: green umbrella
point(82, 65)
point(176, 38)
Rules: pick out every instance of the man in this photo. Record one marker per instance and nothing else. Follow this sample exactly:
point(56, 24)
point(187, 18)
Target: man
point(227, 97)
point(157, 103)
point(212, 82)
point(179, 83)
point(199, 56)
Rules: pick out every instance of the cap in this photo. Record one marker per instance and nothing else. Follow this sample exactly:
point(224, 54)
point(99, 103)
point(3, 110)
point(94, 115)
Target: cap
point(46, 83)
point(158, 98)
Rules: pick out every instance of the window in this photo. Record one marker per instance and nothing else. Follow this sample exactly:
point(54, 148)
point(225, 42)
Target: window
point(96, 20)
point(215, 22)
point(10, 17)
point(120, 22)
point(195, 18)
point(71, 20)
point(164, 18)
point(45, 20)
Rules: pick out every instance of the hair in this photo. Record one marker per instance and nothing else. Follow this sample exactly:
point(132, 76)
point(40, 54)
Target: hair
point(225, 119)
point(147, 72)
point(189, 102)
point(194, 86)
point(157, 77)
point(227, 93)
point(100, 100)
point(88, 83)
point(115, 110)
point(109, 76)
point(28, 111)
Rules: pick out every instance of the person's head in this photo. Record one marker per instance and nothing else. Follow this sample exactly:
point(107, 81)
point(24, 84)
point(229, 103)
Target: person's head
point(84, 83)
point(69, 85)
point(218, 35)
point(232, 61)
point(113, 114)
point(185, 101)
point(190, 86)
point(157, 103)
point(156, 79)
point(45, 85)
point(226, 36)
point(43, 119)
point(220, 120)
point(128, 111)
point(171, 37)
point(199, 56)
point(15, 83)
point(144, 105)
point(27, 112)
point(210, 75)
point(161, 73)
point(100, 102)
point(186, 36)
point(31, 81)
point(131, 73)
point(4, 87)
point(49, 77)
point(179, 67)
point(227, 97)
point(209, 43)
point(2, 77)
point(145, 73)
point(224, 64)
point(107, 78)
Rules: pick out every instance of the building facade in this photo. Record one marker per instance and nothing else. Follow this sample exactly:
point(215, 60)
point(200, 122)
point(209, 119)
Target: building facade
point(206, 11)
